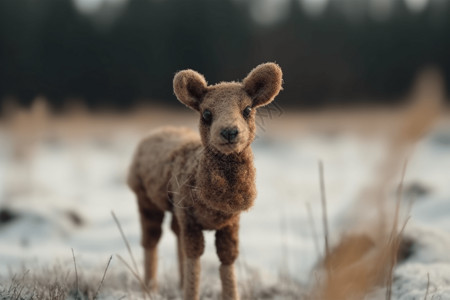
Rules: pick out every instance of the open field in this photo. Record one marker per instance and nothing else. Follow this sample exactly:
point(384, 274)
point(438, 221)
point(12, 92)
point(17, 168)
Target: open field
point(61, 176)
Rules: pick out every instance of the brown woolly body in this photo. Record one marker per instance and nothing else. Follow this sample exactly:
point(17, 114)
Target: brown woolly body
point(179, 175)
point(205, 180)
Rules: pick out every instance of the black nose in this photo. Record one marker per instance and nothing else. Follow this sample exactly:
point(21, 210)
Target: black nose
point(229, 134)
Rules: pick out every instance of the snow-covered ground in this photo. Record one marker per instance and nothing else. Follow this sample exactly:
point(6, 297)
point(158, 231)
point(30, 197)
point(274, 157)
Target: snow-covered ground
point(61, 191)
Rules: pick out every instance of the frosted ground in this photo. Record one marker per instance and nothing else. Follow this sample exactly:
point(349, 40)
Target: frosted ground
point(59, 190)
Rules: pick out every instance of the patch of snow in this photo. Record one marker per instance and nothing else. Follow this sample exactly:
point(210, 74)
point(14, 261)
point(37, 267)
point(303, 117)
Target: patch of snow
point(87, 178)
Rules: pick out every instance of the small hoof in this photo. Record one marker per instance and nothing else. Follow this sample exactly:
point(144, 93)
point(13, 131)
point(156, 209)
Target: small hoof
point(152, 285)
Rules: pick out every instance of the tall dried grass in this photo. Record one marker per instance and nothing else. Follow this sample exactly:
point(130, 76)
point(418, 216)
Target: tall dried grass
point(57, 282)
point(365, 260)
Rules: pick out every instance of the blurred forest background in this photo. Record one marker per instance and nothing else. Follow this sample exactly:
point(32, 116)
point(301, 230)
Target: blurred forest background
point(117, 53)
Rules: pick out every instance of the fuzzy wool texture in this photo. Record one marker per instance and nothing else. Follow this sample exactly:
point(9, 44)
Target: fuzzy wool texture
point(192, 275)
point(204, 180)
point(228, 278)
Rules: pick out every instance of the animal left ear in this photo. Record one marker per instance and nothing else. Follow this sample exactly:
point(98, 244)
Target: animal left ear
point(263, 83)
point(190, 87)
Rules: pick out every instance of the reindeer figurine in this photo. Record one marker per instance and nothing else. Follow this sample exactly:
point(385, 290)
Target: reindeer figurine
point(205, 180)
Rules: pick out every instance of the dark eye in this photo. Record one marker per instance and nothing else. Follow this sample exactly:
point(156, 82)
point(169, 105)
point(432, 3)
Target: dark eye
point(207, 116)
point(247, 112)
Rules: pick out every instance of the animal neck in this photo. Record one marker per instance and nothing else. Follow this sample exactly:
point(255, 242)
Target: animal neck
point(227, 182)
point(214, 157)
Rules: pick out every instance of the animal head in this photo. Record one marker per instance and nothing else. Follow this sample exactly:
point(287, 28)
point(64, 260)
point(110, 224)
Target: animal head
point(227, 109)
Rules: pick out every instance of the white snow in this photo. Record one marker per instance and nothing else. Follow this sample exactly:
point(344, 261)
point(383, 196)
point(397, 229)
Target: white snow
point(86, 176)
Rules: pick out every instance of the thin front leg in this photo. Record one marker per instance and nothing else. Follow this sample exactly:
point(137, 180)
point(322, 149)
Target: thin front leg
point(227, 245)
point(194, 245)
point(229, 286)
point(151, 267)
point(191, 282)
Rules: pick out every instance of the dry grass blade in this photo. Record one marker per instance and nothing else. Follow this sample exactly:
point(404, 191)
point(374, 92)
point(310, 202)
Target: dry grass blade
point(395, 238)
point(313, 228)
point(138, 278)
point(18, 289)
point(103, 278)
point(76, 273)
point(125, 241)
point(398, 203)
point(135, 272)
point(392, 257)
point(428, 286)
point(324, 209)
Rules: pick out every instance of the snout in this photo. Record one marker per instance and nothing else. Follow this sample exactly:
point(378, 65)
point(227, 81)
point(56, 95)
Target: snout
point(229, 134)
point(230, 137)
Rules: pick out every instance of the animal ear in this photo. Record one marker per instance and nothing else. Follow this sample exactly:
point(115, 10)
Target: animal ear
point(263, 83)
point(189, 87)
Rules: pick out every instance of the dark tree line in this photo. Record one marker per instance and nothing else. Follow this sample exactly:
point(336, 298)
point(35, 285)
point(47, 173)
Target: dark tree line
point(48, 48)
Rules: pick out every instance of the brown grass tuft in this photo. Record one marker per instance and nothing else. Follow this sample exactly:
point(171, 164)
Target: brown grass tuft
point(363, 261)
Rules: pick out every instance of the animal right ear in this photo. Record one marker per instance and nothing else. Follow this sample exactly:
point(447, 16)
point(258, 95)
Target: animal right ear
point(190, 87)
point(263, 83)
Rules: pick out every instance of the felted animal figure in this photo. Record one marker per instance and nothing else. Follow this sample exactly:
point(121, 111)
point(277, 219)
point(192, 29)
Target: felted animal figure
point(205, 180)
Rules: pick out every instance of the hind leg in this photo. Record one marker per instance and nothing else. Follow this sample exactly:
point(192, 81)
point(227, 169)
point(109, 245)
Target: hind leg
point(176, 229)
point(151, 219)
